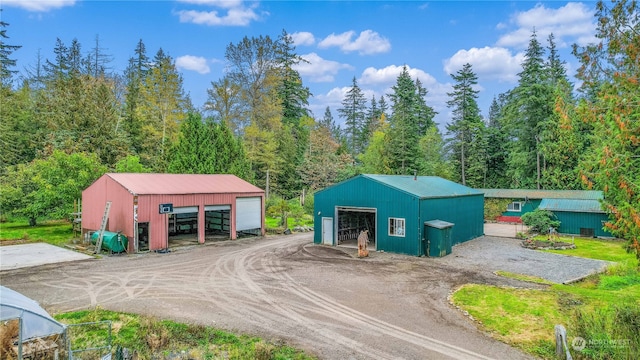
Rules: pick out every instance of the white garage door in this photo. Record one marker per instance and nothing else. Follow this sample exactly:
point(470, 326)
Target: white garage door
point(248, 213)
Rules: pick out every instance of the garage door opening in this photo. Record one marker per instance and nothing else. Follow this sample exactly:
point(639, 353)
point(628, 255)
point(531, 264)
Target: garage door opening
point(351, 222)
point(217, 222)
point(183, 226)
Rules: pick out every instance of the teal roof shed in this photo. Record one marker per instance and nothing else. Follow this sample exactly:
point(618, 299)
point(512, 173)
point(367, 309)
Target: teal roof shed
point(394, 208)
point(579, 217)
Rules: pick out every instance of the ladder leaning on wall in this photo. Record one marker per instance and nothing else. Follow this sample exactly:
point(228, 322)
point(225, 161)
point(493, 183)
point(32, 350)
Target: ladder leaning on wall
point(103, 226)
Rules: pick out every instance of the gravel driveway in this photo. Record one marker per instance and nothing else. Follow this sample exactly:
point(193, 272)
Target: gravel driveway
point(497, 253)
point(317, 298)
point(320, 299)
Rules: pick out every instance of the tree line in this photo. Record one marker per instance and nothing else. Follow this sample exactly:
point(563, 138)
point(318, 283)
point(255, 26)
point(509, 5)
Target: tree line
point(545, 133)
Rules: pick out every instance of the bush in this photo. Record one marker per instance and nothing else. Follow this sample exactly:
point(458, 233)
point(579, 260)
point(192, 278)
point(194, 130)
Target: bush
point(495, 207)
point(540, 221)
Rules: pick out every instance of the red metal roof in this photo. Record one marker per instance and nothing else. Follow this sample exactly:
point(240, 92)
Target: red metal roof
point(173, 184)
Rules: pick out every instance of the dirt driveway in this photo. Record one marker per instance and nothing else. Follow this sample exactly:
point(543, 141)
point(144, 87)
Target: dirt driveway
point(317, 298)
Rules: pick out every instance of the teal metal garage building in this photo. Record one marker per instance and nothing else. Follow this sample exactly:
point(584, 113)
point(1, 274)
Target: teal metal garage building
point(579, 217)
point(399, 211)
point(579, 211)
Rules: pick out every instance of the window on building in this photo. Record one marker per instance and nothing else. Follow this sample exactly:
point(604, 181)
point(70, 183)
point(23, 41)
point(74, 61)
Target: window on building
point(396, 227)
point(515, 206)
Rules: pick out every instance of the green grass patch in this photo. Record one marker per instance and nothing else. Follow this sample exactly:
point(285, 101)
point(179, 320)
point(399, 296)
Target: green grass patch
point(520, 317)
point(603, 308)
point(527, 278)
point(151, 338)
point(609, 250)
point(55, 232)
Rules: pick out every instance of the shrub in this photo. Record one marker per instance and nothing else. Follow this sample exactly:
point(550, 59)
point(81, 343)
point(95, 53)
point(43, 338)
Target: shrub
point(540, 221)
point(495, 207)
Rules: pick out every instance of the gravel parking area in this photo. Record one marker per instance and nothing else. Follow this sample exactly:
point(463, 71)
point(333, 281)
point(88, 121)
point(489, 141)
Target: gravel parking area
point(489, 253)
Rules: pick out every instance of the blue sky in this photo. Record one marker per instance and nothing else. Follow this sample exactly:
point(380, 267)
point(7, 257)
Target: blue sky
point(368, 40)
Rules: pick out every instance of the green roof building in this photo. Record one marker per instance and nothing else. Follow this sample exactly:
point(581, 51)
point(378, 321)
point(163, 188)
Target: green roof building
point(579, 211)
point(399, 212)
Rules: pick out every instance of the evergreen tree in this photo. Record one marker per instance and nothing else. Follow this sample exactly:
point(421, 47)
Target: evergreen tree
point(555, 66)
point(60, 66)
point(372, 122)
point(528, 107)
point(383, 107)
point(6, 63)
point(563, 142)
point(497, 142)
point(195, 151)
point(353, 112)
point(433, 155)
point(293, 95)
point(161, 110)
point(207, 148)
point(424, 112)
point(467, 129)
point(403, 136)
point(328, 123)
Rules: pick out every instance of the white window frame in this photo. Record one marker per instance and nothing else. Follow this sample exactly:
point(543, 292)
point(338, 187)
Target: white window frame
point(397, 227)
point(510, 206)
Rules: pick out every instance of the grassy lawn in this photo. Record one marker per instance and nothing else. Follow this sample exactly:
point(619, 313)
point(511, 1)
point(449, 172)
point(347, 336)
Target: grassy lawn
point(527, 278)
point(610, 250)
point(163, 339)
point(595, 308)
point(55, 232)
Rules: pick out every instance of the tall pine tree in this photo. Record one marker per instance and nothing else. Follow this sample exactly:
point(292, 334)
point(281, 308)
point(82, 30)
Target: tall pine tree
point(467, 129)
point(353, 111)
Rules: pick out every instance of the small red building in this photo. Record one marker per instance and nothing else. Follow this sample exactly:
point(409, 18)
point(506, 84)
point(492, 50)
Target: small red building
point(152, 210)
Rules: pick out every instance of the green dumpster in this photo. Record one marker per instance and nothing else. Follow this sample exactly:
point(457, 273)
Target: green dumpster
point(438, 237)
point(111, 241)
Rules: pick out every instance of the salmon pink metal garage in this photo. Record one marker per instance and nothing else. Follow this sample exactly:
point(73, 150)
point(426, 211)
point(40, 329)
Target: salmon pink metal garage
point(155, 211)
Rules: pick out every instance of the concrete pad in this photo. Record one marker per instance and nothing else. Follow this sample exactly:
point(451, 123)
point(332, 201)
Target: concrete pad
point(27, 255)
point(503, 230)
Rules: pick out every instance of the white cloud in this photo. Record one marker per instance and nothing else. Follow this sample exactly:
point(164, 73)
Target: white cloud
point(367, 43)
point(318, 69)
point(39, 5)
point(303, 38)
point(225, 4)
point(571, 23)
point(236, 14)
point(488, 63)
point(387, 76)
point(193, 63)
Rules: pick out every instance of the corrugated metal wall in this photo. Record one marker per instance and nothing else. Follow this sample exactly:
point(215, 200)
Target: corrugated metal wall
point(389, 202)
point(148, 212)
point(466, 212)
point(121, 214)
point(571, 222)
